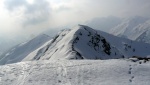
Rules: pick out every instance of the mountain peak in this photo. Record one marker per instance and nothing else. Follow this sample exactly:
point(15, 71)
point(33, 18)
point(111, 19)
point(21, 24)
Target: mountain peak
point(87, 28)
point(82, 42)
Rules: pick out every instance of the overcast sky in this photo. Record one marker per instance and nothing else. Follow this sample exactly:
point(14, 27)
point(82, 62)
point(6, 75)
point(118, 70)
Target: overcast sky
point(29, 17)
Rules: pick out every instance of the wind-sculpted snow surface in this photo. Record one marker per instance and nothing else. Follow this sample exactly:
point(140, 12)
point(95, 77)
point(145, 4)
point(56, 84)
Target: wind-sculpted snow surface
point(87, 72)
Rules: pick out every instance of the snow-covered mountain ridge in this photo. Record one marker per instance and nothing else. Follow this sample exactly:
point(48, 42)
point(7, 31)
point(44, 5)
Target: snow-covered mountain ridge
point(83, 42)
point(79, 43)
point(55, 62)
point(19, 52)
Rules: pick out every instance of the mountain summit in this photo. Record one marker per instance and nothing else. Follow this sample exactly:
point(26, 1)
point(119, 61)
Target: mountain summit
point(80, 42)
point(83, 42)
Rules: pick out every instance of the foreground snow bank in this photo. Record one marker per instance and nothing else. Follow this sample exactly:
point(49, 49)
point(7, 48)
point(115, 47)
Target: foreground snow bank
point(87, 72)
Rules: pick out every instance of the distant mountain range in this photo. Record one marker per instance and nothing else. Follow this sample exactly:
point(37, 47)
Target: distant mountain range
point(136, 28)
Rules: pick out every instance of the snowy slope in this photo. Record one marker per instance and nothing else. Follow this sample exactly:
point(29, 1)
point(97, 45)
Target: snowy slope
point(87, 72)
point(128, 47)
point(137, 28)
point(20, 51)
point(142, 32)
point(83, 42)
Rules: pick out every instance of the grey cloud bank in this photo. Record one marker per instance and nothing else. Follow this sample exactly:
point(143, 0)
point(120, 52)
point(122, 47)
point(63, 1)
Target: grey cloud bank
point(56, 11)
